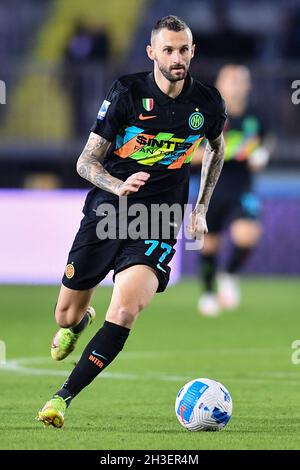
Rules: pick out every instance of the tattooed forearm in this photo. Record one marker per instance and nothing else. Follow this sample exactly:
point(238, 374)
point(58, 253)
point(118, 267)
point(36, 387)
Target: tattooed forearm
point(90, 168)
point(212, 163)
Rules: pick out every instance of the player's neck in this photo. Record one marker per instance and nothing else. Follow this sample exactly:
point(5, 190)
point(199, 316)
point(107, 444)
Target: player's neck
point(171, 89)
point(236, 108)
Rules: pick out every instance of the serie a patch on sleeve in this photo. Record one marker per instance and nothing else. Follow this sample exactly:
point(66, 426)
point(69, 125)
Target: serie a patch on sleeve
point(103, 110)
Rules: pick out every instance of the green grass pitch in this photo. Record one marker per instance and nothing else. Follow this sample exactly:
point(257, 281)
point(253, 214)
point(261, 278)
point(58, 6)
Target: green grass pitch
point(131, 406)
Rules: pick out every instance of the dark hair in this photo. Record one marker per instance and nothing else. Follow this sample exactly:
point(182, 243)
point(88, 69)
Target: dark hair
point(170, 22)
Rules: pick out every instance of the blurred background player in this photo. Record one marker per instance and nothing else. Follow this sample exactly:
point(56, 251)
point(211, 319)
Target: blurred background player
point(233, 204)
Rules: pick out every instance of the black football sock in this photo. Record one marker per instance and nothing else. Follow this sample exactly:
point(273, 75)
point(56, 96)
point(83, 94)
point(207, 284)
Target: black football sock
point(98, 354)
point(81, 325)
point(208, 271)
point(237, 258)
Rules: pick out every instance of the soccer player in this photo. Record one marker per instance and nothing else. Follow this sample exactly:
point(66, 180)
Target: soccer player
point(140, 147)
point(234, 203)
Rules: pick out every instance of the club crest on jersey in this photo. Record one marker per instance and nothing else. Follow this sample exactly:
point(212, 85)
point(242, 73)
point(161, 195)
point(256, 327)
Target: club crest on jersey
point(148, 104)
point(196, 121)
point(70, 271)
point(103, 110)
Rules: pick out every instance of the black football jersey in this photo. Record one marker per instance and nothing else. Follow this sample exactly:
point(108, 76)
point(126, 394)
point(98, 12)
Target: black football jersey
point(157, 134)
point(243, 136)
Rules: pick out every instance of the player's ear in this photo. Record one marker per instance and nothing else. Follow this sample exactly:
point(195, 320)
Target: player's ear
point(150, 52)
point(193, 50)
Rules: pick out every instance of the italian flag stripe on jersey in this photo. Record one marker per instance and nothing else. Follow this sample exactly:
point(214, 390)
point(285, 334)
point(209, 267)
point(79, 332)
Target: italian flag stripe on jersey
point(148, 104)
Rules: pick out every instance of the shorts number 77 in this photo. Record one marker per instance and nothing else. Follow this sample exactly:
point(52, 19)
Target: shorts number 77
point(164, 246)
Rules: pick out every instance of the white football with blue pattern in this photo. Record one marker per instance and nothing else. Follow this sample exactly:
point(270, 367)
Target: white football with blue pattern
point(203, 405)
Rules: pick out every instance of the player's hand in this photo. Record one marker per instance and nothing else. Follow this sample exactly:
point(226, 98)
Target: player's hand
point(197, 226)
point(132, 184)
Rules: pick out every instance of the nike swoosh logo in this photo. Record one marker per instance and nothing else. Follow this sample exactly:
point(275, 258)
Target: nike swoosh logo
point(143, 118)
point(99, 355)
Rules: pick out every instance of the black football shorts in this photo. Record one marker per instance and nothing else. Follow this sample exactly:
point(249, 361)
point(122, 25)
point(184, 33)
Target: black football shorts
point(91, 259)
point(228, 204)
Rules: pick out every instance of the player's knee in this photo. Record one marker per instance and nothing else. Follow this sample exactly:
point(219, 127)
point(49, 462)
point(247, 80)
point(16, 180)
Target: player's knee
point(211, 244)
point(246, 234)
point(125, 315)
point(65, 316)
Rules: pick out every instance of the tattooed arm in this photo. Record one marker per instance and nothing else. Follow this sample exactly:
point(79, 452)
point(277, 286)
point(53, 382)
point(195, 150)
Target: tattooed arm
point(90, 168)
point(212, 164)
point(211, 168)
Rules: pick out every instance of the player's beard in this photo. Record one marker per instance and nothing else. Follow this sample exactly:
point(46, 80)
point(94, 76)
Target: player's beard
point(167, 73)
